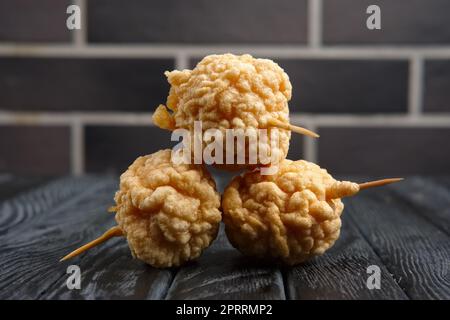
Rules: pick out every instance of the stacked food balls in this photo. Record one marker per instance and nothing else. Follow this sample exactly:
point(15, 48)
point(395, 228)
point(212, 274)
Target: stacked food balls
point(169, 211)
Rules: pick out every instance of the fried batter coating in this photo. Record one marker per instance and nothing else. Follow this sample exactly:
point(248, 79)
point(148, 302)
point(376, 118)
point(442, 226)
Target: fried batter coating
point(290, 216)
point(230, 92)
point(168, 213)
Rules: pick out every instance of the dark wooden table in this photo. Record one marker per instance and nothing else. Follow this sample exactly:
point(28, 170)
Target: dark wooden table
point(404, 229)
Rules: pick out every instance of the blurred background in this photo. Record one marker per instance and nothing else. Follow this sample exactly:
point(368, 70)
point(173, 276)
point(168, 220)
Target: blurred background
point(75, 102)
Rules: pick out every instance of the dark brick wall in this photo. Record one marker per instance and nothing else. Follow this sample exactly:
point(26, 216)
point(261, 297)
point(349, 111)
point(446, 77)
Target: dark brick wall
point(33, 21)
point(114, 148)
point(35, 150)
point(437, 86)
point(67, 84)
point(404, 22)
point(197, 21)
point(347, 86)
point(384, 150)
point(62, 94)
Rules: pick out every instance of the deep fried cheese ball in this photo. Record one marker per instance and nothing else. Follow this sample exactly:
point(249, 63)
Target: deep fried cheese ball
point(290, 216)
point(168, 213)
point(230, 92)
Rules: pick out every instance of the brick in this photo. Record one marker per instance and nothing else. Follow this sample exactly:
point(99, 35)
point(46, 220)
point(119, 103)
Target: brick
point(35, 150)
point(198, 21)
point(33, 21)
point(296, 147)
point(437, 84)
point(384, 151)
point(347, 86)
point(86, 84)
point(114, 148)
point(402, 22)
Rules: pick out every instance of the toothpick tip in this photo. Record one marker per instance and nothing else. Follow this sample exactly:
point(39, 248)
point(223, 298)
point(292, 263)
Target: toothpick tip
point(113, 232)
point(378, 183)
point(303, 131)
point(296, 129)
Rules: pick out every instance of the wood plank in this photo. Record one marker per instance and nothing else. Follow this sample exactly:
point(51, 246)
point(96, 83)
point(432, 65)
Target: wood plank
point(415, 251)
point(29, 262)
point(25, 207)
point(444, 180)
point(430, 198)
point(10, 185)
point(381, 227)
point(223, 273)
point(110, 272)
point(341, 273)
point(29, 256)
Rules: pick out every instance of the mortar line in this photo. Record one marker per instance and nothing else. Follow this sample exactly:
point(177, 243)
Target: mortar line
point(181, 61)
point(77, 147)
point(310, 144)
point(379, 120)
point(314, 23)
point(79, 36)
point(171, 51)
point(144, 119)
point(415, 86)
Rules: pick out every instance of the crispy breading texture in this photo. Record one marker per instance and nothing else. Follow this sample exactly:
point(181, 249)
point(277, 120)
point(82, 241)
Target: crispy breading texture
point(229, 92)
point(290, 216)
point(168, 213)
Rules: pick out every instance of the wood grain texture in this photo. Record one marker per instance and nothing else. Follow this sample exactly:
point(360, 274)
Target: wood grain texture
point(431, 199)
point(402, 229)
point(109, 271)
point(16, 212)
point(11, 185)
point(341, 273)
point(415, 252)
point(29, 262)
point(223, 273)
point(29, 256)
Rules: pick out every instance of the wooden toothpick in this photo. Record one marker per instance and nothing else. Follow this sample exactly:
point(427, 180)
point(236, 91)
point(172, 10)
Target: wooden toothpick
point(296, 129)
point(378, 183)
point(113, 232)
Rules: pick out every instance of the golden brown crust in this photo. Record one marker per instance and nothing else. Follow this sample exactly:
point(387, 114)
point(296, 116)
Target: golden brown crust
point(289, 216)
point(229, 92)
point(169, 213)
